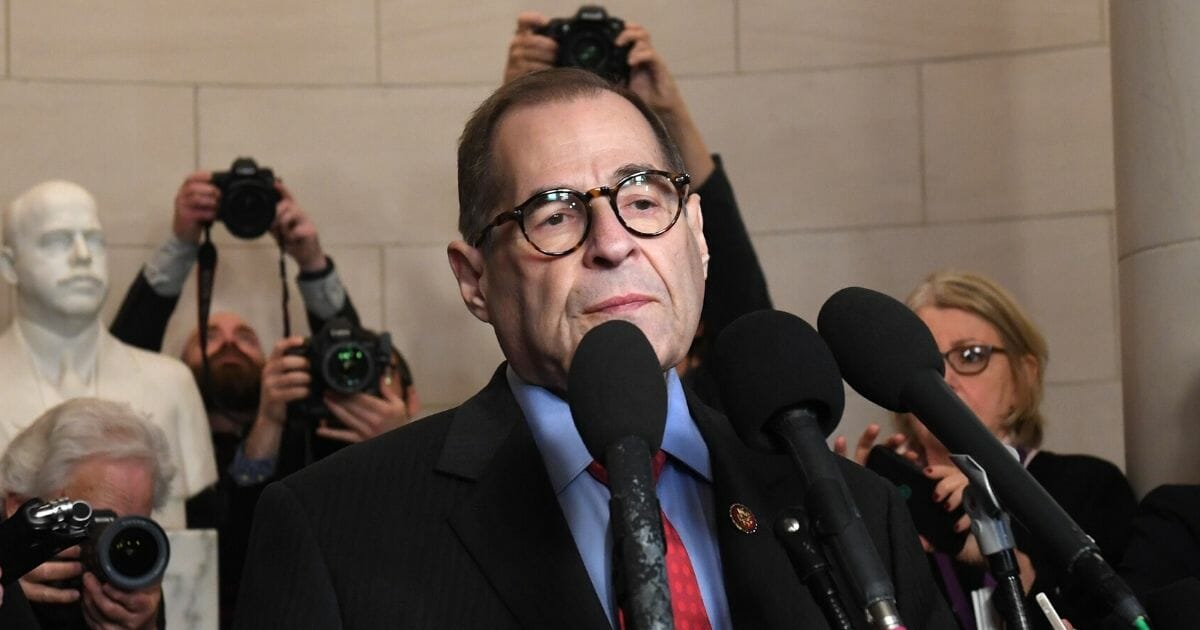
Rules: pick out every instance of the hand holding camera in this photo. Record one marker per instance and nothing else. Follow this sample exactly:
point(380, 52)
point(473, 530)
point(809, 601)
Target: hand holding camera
point(335, 379)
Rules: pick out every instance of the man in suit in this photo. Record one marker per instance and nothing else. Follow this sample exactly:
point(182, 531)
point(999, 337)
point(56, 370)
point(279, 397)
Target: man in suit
point(484, 516)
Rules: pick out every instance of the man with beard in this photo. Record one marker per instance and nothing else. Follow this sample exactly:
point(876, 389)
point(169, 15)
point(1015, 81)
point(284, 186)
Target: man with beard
point(236, 362)
point(246, 395)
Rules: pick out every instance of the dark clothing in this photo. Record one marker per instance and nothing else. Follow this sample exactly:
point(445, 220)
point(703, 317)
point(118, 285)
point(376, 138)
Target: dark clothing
point(451, 522)
point(15, 612)
point(735, 285)
point(1096, 495)
point(1164, 545)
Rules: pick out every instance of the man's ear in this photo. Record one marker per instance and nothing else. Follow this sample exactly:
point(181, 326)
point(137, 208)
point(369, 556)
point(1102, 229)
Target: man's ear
point(8, 261)
point(695, 221)
point(467, 264)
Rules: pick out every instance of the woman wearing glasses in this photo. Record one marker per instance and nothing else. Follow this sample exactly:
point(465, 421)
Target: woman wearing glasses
point(995, 362)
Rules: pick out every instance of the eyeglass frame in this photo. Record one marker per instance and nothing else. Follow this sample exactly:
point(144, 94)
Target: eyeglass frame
point(681, 181)
point(989, 350)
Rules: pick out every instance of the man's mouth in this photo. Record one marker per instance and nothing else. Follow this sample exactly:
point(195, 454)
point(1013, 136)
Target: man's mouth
point(620, 304)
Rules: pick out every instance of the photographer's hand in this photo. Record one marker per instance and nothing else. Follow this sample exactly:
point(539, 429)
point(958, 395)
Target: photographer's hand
point(528, 51)
point(64, 566)
point(297, 233)
point(365, 416)
point(862, 450)
point(106, 606)
point(196, 205)
point(284, 378)
point(650, 79)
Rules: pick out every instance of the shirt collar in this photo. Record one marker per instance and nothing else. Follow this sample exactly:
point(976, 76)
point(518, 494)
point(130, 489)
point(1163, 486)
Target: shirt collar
point(565, 456)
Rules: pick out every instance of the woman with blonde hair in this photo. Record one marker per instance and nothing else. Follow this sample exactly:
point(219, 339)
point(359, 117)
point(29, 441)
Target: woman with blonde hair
point(995, 362)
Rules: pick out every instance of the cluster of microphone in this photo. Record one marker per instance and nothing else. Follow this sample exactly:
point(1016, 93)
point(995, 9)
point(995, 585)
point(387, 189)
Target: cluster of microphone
point(781, 384)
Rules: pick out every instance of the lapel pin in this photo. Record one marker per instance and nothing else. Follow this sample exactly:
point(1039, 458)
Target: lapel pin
point(743, 518)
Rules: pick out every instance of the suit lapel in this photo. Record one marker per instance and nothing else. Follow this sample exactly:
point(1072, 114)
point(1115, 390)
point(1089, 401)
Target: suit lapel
point(760, 583)
point(511, 523)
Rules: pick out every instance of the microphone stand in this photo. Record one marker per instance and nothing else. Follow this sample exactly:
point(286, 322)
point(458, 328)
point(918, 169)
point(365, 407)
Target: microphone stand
point(791, 528)
point(992, 530)
point(837, 519)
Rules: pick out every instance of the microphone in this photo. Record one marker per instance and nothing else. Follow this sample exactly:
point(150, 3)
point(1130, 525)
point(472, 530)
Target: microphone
point(783, 392)
point(618, 398)
point(888, 355)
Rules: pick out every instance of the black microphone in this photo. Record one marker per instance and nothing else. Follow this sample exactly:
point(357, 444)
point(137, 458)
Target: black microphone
point(618, 398)
point(783, 393)
point(887, 354)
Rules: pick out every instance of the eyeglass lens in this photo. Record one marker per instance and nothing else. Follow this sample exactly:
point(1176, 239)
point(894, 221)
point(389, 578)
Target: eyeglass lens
point(557, 221)
point(969, 359)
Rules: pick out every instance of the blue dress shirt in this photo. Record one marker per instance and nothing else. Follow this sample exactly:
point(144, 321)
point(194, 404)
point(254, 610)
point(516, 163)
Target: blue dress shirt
point(684, 491)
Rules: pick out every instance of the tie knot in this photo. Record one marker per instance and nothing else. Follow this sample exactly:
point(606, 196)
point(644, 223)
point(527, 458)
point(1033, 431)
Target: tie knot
point(597, 470)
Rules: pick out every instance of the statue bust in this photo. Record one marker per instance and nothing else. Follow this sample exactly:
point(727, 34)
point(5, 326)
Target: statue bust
point(56, 348)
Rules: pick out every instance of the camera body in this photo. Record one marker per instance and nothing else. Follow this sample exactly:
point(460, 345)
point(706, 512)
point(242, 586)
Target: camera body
point(248, 198)
point(588, 41)
point(343, 358)
point(129, 552)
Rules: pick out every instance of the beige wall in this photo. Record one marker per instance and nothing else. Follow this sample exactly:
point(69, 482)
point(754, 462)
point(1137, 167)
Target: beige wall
point(869, 142)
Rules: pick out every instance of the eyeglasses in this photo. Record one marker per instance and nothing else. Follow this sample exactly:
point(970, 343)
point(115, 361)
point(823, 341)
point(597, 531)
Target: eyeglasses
point(556, 222)
point(970, 359)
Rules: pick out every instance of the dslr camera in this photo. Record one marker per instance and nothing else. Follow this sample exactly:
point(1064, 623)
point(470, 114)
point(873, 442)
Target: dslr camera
point(588, 41)
point(248, 198)
point(343, 358)
point(129, 552)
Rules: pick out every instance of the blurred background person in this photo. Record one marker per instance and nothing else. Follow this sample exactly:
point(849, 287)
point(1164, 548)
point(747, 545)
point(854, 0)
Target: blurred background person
point(106, 454)
point(995, 362)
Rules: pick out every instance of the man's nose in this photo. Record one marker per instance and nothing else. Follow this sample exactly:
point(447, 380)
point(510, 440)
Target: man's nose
point(609, 242)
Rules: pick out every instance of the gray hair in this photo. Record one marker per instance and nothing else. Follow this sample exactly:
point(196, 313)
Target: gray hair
point(39, 462)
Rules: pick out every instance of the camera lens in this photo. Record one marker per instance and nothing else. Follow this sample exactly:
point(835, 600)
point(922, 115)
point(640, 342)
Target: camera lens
point(129, 552)
point(248, 208)
point(589, 52)
point(347, 367)
point(133, 551)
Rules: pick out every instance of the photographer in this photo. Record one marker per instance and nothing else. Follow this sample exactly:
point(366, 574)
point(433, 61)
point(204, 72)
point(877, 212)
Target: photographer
point(151, 299)
point(736, 284)
point(101, 452)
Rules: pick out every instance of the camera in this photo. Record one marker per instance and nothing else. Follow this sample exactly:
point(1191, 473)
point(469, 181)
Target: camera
point(248, 198)
point(588, 41)
point(129, 552)
point(343, 358)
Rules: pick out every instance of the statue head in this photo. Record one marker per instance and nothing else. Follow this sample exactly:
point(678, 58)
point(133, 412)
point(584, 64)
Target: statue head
point(53, 251)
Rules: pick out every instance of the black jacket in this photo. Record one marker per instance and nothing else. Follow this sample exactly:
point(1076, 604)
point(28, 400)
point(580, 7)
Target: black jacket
point(451, 522)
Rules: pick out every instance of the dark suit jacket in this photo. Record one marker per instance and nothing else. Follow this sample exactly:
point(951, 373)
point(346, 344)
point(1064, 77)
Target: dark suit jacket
point(451, 522)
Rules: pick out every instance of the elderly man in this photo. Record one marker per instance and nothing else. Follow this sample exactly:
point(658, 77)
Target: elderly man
point(101, 452)
point(483, 516)
point(57, 349)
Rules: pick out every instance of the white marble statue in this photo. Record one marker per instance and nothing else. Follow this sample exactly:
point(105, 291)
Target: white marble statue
point(57, 348)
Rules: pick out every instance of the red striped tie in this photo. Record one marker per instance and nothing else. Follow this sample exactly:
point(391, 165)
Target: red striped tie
point(687, 605)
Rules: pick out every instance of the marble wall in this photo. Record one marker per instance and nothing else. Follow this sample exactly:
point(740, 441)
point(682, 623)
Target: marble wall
point(870, 142)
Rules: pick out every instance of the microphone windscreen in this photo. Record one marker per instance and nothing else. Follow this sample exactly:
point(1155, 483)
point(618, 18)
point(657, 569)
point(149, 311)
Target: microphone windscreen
point(616, 388)
point(879, 343)
point(768, 361)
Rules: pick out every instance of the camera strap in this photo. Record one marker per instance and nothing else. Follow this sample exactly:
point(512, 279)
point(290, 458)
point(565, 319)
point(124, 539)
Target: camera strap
point(287, 317)
point(206, 260)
